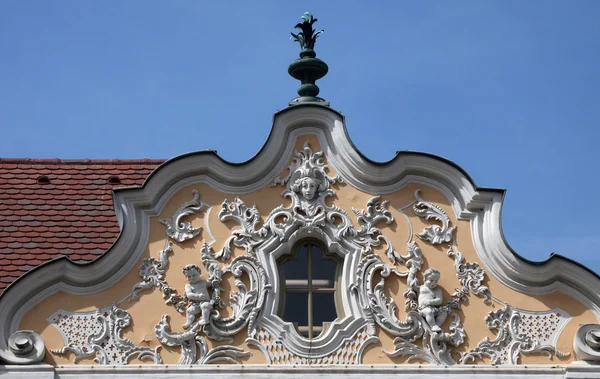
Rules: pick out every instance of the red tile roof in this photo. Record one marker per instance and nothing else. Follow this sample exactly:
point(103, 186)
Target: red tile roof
point(71, 214)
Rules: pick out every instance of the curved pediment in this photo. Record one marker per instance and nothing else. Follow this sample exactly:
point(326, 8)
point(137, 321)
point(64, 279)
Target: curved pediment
point(416, 217)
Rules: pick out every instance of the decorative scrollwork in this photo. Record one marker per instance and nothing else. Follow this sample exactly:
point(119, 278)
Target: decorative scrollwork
point(306, 164)
point(430, 331)
point(24, 347)
point(587, 342)
point(152, 271)
point(434, 233)
point(194, 349)
point(103, 342)
point(248, 218)
point(470, 276)
point(519, 332)
point(370, 236)
point(182, 230)
point(435, 344)
point(246, 305)
point(421, 323)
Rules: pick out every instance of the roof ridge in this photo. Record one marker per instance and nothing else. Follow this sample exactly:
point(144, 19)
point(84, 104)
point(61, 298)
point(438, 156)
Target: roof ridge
point(81, 161)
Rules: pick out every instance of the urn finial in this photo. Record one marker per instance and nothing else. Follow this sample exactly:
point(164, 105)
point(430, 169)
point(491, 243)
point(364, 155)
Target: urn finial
point(308, 68)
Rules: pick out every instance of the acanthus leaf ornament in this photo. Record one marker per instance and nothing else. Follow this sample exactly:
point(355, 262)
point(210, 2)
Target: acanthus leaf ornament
point(245, 304)
point(152, 271)
point(194, 349)
point(375, 212)
point(307, 164)
point(182, 230)
point(434, 233)
point(470, 276)
point(248, 218)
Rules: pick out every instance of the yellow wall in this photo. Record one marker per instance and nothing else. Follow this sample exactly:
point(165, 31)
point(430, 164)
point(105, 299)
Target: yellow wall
point(147, 311)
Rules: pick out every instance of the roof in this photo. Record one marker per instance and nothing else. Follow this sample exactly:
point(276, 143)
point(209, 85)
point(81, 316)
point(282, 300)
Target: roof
point(53, 207)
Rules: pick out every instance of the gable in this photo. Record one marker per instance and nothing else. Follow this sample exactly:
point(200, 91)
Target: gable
point(389, 223)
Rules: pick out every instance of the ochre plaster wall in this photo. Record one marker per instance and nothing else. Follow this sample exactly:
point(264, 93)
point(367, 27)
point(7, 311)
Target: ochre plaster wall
point(147, 311)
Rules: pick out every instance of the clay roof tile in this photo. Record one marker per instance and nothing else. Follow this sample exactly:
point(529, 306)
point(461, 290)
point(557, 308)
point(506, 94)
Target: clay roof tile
point(71, 215)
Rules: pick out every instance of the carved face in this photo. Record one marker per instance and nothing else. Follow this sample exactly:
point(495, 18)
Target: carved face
point(432, 281)
point(193, 276)
point(309, 188)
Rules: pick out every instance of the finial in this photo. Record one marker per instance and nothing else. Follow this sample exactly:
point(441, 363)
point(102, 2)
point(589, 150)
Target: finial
point(308, 68)
point(308, 36)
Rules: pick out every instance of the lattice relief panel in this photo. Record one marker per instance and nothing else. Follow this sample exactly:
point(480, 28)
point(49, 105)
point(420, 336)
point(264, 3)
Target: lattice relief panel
point(520, 332)
point(349, 353)
point(98, 335)
point(76, 328)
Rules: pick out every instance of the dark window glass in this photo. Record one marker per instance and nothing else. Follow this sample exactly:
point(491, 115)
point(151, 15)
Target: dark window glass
point(323, 268)
point(296, 308)
point(297, 268)
point(323, 305)
point(309, 289)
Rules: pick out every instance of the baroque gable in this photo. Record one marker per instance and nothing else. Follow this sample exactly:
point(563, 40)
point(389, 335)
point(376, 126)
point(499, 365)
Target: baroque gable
point(424, 275)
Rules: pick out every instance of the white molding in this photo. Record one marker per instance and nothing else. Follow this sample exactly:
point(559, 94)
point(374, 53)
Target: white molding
point(576, 370)
point(135, 206)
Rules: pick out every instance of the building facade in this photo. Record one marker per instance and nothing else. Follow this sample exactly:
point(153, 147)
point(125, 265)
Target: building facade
point(309, 259)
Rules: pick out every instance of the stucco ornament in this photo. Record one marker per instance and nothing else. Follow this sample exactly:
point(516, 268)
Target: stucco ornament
point(194, 348)
point(87, 335)
point(430, 332)
point(424, 302)
point(153, 271)
point(182, 230)
point(308, 183)
point(519, 332)
point(24, 347)
point(434, 233)
point(308, 186)
point(430, 299)
point(587, 342)
point(470, 274)
point(197, 294)
point(98, 335)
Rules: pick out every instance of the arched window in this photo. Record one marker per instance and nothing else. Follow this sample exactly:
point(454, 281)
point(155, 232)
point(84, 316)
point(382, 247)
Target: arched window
point(309, 283)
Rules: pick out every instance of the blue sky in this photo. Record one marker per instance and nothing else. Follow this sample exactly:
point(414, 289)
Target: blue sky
point(509, 90)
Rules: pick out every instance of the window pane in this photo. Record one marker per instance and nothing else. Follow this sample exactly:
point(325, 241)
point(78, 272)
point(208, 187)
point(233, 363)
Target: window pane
point(323, 269)
point(323, 308)
point(296, 308)
point(297, 268)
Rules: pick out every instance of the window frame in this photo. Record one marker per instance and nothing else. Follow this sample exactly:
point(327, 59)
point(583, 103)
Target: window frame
point(308, 332)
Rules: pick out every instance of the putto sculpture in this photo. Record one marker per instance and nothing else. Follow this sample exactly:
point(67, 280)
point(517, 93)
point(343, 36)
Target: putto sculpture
point(430, 298)
point(197, 293)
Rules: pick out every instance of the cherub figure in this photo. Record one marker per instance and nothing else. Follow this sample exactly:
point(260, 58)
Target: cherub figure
point(430, 298)
point(197, 292)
